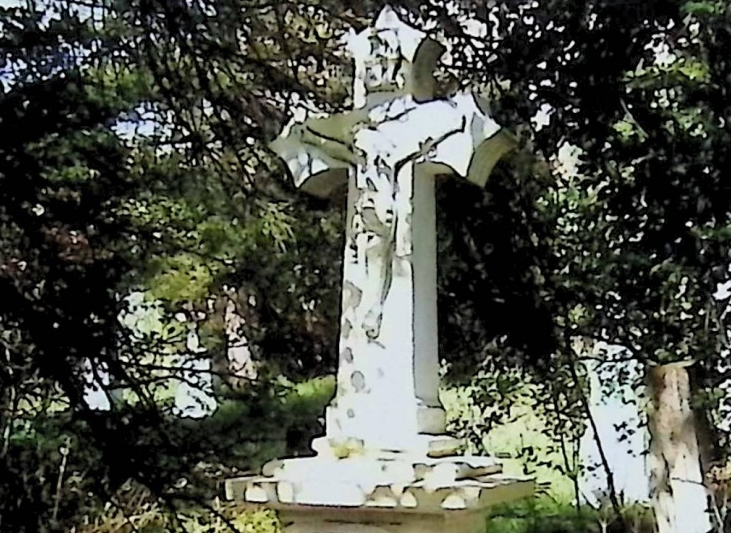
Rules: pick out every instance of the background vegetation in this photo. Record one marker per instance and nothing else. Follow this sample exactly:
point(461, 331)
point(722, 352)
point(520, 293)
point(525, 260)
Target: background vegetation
point(145, 227)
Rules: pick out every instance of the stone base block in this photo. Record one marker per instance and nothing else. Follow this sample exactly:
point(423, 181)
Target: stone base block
point(380, 469)
point(429, 437)
point(381, 495)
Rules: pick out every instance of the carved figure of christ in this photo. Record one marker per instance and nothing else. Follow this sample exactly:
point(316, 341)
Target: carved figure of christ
point(389, 150)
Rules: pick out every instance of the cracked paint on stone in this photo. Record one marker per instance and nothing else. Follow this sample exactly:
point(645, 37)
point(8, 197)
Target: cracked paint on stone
point(385, 446)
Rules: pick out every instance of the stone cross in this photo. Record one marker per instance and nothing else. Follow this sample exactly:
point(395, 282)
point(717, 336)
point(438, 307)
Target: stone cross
point(388, 150)
point(385, 464)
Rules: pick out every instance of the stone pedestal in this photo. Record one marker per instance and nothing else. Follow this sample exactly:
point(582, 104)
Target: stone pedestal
point(380, 494)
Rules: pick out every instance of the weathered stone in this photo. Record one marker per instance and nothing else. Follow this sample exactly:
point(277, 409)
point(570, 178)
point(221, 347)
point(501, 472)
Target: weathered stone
point(353, 486)
point(385, 463)
point(388, 151)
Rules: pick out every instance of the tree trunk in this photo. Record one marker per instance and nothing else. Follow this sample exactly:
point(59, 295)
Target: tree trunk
point(240, 362)
point(233, 363)
point(678, 496)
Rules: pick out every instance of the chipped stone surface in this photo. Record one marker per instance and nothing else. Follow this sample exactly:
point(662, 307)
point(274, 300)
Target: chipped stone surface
point(366, 483)
point(388, 150)
point(385, 463)
point(408, 467)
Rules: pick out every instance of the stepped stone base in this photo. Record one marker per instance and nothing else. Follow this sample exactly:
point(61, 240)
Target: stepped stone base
point(391, 494)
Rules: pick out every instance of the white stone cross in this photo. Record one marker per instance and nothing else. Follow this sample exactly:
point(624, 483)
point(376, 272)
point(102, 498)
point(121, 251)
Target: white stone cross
point(388, 151)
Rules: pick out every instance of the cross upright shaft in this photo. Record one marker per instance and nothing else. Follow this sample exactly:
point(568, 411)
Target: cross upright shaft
point(389, 149)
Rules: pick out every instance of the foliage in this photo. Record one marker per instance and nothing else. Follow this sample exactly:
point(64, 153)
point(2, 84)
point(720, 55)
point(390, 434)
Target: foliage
point(516, 428)
point(626, 247)
point(547, 516)
point(86, 215)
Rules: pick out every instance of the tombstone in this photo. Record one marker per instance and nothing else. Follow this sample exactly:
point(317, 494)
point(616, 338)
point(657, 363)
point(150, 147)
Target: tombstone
point(386, 463)
point(616, 405)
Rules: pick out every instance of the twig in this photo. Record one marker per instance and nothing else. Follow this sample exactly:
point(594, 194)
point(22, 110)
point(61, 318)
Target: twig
point(59, 483)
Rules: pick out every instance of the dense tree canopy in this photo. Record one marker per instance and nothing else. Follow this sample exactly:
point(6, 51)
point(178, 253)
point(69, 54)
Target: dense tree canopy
point(134, 160)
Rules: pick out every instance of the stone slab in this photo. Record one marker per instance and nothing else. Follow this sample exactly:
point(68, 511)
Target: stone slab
point(412, 467)
point(425, 486)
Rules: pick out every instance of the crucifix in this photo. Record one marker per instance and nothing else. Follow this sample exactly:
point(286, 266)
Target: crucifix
point(386, 464)
point(388, 151)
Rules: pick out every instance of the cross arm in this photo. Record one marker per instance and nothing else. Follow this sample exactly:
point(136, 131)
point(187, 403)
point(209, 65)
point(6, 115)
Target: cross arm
point(473, 145)
point(318, 151)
